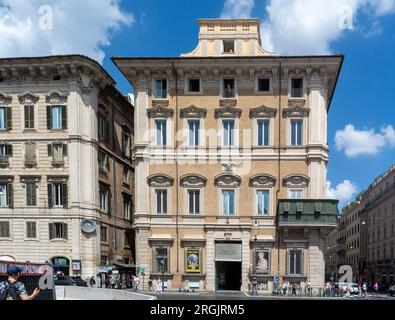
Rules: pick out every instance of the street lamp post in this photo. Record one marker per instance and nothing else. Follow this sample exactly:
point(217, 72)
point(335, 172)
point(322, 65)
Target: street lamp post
point(162, 264)
point(254, 291)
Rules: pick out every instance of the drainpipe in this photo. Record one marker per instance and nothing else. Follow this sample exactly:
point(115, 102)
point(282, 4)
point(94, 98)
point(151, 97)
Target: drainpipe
point(177, 168)
point(114, 177)
point(279, 163)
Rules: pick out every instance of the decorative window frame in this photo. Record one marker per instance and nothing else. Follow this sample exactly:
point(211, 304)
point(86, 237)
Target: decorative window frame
point(262, 248)
point(160, 112)
point(36, 180)
point(160, 182)
point(288, 262)
point(264, 182)
point(30, 164)
point(297, 181)
point(295, 76)
point(202, 139)
point(11, 227)
point(193, 182)
point(256, 86)
point(28, 99)
point(262, 113)
point(227, 181)
point(228, 113)
point(154, 97)
point(297, 112)
point(221, 88)
point(37, 238)
point(186, 85)
point(5, 99)
point(55, 97)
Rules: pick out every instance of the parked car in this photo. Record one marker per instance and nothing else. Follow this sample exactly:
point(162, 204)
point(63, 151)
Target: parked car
point(65, 281)
point(354, 288)
point(80, 282)
point(392, 290)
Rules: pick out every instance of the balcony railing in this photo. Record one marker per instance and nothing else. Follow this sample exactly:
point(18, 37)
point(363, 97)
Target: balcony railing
point(307, 212)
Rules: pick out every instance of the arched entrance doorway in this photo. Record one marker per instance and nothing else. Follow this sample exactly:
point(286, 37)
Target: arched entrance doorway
point(61, 265)
point(7, 259)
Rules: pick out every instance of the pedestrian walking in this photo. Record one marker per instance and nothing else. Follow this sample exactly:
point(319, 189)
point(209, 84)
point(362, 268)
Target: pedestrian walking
point(294, 289)
point(284, 288)
point(309, 288)
point(364, 289)
point(12, 289)
point(376, 288)
point(92, 282)
point(150, 284)
point(159, 285)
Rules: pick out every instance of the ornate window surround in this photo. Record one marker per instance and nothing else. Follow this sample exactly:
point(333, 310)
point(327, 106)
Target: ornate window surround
point(262, 113)
point(55, 97)
point(160, 180)
point(262, 181)
point(296, 181)
point(192, 180)
point(227, 180)
point(5, 99)
point(27, 98)
point(193, 112)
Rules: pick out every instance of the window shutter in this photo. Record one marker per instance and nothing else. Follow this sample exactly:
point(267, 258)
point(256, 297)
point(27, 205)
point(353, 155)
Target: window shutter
point(64, 195)
point(65, 231)
point(51, 227)
point(10, 198)
point(50, 150)
point(50, 196)
point(109, 202)
point(49, 118)
point(33, 191)
point(9, 150)
point(64, 117)
point(65, 150)
point(26, 116)
point(9, 118)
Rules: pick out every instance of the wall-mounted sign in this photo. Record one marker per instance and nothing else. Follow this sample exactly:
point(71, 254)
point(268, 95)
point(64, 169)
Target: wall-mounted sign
point(193, 261)
point(76, 265)
point(228, 252)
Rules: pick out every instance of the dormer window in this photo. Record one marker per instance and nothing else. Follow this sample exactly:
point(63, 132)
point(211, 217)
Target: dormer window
point(229, 46)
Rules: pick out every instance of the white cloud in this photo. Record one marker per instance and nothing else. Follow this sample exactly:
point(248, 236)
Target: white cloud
point(83, 27)
point(310, 26)
point(237, 9)
point(364, 142)
point(344, 192)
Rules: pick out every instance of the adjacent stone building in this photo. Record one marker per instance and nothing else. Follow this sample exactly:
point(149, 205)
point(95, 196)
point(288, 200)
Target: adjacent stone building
point(231, 153)
point(65, 135)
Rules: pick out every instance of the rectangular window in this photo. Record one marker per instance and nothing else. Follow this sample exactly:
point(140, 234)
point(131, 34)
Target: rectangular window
point(296, 194)
point(262, 202)
point(161, 135)
point(161, 88)
point(103, 128)
point(228, 202)
point(263, 132)
point(194, 130)
point(297, 88)
point(4, 229)
point(58, 231)
point(6, 195)
point(126, 175)
point(57, 195)
point(31, 193)
point(194, 201)
point(5, 150)
point(103, 234)
point(228, 132)
point(127, 206)
point(56, 115)
point(126, 144)
point(295, 262)
point(162, 259)
point(128, 239)
point(29, 117)
point(229, 88)
point(194, 85)
point(161, 201)
point(104, 198)
point(103, 260)
point(103, 161)
point(263, 85)
point(296, 132)
point(229, 46)
point(5, 118)
point(58, 152)
point(31, 230)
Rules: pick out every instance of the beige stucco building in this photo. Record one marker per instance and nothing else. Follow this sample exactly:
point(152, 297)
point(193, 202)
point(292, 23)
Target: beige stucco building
point(51, 139)
point(231, 153)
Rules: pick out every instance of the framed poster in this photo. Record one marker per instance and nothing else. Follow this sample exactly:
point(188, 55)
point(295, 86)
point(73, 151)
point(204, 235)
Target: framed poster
point(193, 260)
point(76, 265)
point(262, 260)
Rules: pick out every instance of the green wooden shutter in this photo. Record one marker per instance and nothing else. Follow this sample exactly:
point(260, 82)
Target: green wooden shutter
point(9, 150)
point(65, 231)
point(9, 118)
point(109, 203)
point(64, 117)
point(64, 150)
point(50, 195)
point(49, 118)
point(64, 195)
point(51, 233)
point(49, 150)
point(10, 197)
point(33, 193)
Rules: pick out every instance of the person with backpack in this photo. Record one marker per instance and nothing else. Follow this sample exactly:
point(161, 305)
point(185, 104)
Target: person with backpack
point(12, 289)
point(376, 288)
point(92, 282)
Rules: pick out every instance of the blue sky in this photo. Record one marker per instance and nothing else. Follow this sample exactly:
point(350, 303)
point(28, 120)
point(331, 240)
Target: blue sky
point(362, 115)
